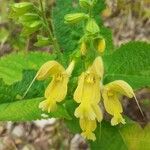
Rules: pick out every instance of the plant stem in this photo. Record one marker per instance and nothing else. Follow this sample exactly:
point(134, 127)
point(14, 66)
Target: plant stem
point(27, 45)
point(51, 36)
point(45, 19)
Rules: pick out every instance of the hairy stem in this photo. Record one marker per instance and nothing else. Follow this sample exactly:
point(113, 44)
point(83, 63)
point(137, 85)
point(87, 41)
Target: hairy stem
point(51, 36)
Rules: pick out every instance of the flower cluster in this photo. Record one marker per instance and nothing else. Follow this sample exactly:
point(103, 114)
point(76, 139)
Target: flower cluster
point(90, 92)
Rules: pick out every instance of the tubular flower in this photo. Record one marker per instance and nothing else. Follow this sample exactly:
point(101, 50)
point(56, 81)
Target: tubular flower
point(88, 95)
point(57, 89)
point(112, 104)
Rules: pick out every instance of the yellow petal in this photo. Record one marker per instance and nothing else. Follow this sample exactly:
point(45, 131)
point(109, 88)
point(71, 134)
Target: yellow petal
point(121, 87)
point(89, 83)
point(112, 103)
point(48, 105)
point(79, 90)
point(89, 135)
point(96, 92)
point(57, 89)
point(98, 112)
point(88, 89)
point(117, 119)
point(50, 68)
point(97, 67)
point(88, 126)
point(85, 111)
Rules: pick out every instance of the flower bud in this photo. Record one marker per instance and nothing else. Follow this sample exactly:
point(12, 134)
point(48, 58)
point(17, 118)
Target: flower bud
point(92, 27)
point(75, 18)
point(70, 68)
point(101, 45)
point(83, 48)
point(85, 3)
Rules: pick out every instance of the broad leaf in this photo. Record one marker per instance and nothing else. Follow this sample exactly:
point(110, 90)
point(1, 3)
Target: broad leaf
point(135, 137)
point(130, 62)
point(27, 110)
point(12, 102)
point(11, 66)
point(14, 92)
point(125, 137)
point(108, 138)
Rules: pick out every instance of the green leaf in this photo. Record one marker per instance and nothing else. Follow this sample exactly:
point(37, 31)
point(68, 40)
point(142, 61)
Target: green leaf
point(108, 138)
point(126, 137)
point(135, 137)
point(27, 110)
point(14, 92)
point(11, 101)
point(73, 123)
point(11, 66)
point(130, 62)
point(65, 32)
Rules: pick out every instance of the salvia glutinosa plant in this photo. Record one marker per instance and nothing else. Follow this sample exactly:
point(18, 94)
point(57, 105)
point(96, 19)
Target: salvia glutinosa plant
point(84, 77)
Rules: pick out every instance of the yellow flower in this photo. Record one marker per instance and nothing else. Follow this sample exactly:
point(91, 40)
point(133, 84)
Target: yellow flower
point(57, 89)
point(112, 104)
point(88, 95)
